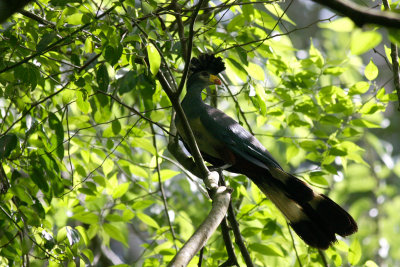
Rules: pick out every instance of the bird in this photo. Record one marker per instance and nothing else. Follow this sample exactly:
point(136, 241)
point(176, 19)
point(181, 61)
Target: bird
point(224, 143)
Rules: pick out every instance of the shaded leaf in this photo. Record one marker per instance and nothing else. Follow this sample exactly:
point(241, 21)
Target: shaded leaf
point(8, 143)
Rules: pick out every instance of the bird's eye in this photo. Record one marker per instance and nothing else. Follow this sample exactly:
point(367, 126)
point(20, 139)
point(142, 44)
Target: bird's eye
point(204, 74)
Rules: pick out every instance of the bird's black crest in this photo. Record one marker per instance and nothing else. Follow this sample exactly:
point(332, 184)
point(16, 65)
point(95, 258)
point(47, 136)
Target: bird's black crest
point(206, 62)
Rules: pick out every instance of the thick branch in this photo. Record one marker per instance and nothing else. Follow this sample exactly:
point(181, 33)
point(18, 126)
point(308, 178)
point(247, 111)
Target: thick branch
point(206, 229)
point(362, 15)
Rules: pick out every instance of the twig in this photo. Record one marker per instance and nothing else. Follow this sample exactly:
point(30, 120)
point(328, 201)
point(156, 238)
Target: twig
point(236, 231)
point(56, 43)
point(33, 105)
point(232, 260)
point(38, 19)
point(69, 146)
point(223, 6)
point(134, 111)
point(238, 106)
point(189, 47)
point(322, 254)
point(273, 36)
point(201, 257)
point(90, 61)
point(106, 157)
point(294, 245)
point(163, 197)
point(31, 238)
point(238, 236)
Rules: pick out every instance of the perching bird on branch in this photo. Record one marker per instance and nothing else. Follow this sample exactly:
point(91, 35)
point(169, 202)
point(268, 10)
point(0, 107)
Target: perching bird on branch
point(224, 142)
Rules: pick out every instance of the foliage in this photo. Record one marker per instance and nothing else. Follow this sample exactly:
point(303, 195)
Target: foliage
point(85, 174)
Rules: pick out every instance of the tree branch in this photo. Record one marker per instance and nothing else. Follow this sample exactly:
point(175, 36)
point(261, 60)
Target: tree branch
point(189, 47)
point(362, 15)
point(236, 232)
point(232, 260)
point(220, 205)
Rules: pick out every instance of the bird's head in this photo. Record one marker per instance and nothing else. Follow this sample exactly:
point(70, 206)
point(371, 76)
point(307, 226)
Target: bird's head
point(204, 70)
point(204, 78)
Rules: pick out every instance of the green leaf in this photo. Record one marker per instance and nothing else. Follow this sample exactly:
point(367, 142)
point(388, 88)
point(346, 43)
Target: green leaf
point(371, 71)
point(74, 19)
point(359, 88)
point(116, 126)
point(115, 233)
point(370, 263)
point(319, 180)
point(56, 125)
point(45, 41)
point(113, 54)
point(364, 123)
point(266, 250)
point(38, 177)
point(8, 143)
point(338, 25)
point(394, 34)
point(120, 190)
point(362, 42)
point(142, 204)
point(102, 78)
point(21, 193)
point(86, 217)
point(83, 105)
point(154, 58)
point(108, 166)
point(354, 255)
point(316, 56)
point(291, 152)
point(255, 71)
point(165, 174)
point(147, 220)
point(127, 83)
point(334, 71)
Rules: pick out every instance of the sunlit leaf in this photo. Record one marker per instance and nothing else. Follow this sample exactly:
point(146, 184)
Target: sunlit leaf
point(147, 220)
point(115, 233)
point(371, 71)
point(361, 41)
point(338, 25)
point(354, 252)
point(154, 58)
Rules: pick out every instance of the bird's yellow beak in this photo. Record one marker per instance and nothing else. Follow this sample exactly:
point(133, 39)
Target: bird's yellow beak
point(215, 80)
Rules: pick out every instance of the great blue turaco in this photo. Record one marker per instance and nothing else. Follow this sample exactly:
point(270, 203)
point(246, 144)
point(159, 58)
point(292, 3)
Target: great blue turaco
point(225, 143)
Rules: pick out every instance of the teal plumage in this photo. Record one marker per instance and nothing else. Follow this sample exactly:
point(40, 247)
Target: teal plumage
point(224, 142)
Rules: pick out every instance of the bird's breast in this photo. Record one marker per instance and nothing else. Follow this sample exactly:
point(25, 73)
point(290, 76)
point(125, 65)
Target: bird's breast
point(206, 142)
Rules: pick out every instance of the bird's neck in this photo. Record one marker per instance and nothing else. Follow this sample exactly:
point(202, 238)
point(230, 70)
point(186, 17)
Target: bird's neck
point(192, 100)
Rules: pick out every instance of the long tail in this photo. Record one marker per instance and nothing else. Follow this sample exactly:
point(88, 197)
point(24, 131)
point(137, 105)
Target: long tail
point(314, 217)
